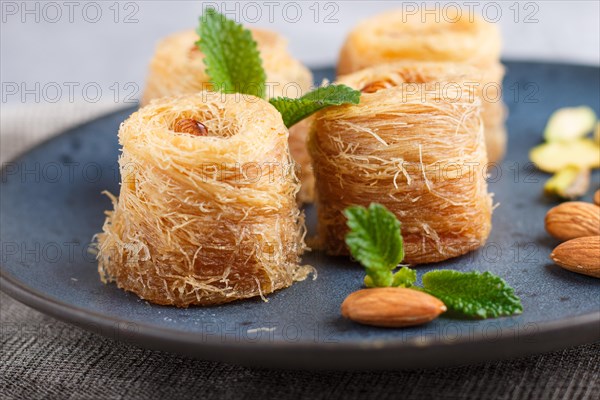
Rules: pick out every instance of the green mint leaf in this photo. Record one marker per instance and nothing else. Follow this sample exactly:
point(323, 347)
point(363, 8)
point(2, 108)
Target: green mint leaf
point(231, 55)
point(404, 277)
point(376, 242)
point(472, 294)
point(295, 110)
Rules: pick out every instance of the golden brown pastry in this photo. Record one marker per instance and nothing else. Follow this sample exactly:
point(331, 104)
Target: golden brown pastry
point(414, 144)
point(396, 36)
point(177, 68)
point(207, 211)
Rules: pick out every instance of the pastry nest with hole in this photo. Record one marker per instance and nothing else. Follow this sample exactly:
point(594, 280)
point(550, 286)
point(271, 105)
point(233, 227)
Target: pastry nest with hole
point(177, 68)
point(414, 144)
point(206, 219)
point(447, 35)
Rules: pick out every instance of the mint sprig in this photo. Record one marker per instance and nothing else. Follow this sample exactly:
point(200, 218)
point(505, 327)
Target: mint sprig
point(375, 240)
point(234, 65)
point(472, 294)
point(404, 277)
point(231, 55)
point(295, 110)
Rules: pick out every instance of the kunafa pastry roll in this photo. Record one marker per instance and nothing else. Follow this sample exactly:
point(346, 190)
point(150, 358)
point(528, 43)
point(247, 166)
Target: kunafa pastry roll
point(493, 111)
point(495, 141)
point(454, 36)
point(397, 35)
point(207, 211)
point(414, 144)
point(178, 68)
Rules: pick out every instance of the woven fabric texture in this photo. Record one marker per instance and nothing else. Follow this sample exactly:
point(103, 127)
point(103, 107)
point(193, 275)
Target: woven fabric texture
point(44, 358)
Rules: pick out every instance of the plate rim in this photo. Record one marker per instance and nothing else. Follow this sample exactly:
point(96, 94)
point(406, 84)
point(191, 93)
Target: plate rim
point(547, 337)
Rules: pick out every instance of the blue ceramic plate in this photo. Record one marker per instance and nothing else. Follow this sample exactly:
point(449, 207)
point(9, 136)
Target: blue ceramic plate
point(51, 207)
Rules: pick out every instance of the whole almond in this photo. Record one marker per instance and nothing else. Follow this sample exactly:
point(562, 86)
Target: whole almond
point(573, 219)
point(191, 126)
point(597, 197)
point(581, 255)
point(376, 86)
point(391, 307)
